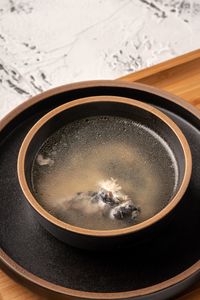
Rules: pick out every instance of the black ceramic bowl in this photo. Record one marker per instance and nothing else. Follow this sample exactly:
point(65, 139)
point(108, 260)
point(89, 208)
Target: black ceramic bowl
point(162, 130)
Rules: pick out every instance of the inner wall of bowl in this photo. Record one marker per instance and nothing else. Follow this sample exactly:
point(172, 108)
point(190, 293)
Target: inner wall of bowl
point(150, 188)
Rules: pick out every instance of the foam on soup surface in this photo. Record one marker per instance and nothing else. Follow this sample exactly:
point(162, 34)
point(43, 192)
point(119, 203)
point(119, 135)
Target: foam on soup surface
point(104, 173)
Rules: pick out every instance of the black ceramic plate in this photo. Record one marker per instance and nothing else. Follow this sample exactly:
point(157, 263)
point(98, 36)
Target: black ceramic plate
point(161, 267)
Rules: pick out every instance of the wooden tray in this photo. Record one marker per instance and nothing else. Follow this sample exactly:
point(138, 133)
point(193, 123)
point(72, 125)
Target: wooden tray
point(180, 76)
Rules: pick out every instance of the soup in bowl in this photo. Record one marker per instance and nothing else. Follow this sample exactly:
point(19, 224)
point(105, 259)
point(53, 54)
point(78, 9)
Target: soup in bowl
point(102, 171)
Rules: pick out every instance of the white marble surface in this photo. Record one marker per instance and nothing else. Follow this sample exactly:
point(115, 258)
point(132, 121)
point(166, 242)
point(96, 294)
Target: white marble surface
point(46, 43)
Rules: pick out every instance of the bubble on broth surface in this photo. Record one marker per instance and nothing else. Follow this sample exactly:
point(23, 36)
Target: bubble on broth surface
point(95, 149)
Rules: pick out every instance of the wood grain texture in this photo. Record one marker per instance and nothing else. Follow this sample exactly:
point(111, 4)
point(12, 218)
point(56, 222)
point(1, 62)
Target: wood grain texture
point(11, 290)
point(179, 76)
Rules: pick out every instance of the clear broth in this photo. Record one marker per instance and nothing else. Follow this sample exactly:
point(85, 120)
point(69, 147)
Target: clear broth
point(83, 153)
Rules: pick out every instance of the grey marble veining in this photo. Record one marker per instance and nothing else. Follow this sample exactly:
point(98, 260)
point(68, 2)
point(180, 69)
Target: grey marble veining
point(44, 44)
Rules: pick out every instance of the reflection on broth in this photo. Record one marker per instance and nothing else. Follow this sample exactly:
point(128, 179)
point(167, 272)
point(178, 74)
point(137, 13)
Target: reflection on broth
point(96, 156)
